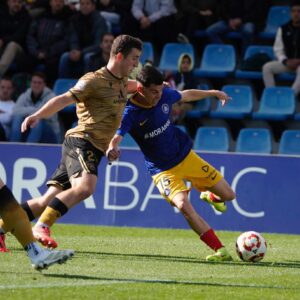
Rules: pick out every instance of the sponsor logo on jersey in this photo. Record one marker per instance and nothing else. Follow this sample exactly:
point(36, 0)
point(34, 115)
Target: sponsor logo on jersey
point(157, 131)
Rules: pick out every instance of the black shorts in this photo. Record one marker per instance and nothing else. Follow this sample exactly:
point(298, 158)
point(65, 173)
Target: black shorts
point(78, 155)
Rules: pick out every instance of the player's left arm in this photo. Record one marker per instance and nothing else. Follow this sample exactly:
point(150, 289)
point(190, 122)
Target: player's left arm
point(194, 95)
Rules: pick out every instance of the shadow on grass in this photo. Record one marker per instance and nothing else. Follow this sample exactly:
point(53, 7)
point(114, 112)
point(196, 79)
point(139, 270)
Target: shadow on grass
point(179, 282)
point(286, 264)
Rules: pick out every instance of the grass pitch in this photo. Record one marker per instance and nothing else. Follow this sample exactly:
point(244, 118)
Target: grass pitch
point(134, 263)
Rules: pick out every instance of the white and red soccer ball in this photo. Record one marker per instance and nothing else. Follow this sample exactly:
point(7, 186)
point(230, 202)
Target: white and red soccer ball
point(251, 246)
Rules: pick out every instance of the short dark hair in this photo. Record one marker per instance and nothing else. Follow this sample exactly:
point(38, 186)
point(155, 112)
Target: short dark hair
point(150, 75)
point(124, 44)
point(40, 74)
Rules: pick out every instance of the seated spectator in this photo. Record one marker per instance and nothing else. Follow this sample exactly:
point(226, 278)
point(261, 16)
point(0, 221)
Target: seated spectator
point(6, 107)
point(154, 21)
point(194, 15)
point(101, 57)
point(87, 30)
point(14, 24)
point(184, 79)
point(48, 38)
point(244, 16)
point(287, 50)
point(46, 131)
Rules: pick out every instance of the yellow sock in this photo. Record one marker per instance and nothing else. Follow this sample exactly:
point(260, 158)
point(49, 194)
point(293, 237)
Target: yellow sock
point(16, 221)
point(3, 226)
point(49, 216)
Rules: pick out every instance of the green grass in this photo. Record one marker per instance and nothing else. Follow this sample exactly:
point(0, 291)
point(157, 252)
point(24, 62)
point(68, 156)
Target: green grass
point(133, 263)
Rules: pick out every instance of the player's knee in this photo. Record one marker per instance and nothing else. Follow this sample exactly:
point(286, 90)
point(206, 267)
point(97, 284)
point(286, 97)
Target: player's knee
point(85, 191)
point(182, 204)
point(228, 195)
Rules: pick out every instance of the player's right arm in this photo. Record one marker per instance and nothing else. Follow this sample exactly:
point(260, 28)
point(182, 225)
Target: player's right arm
point(51, 107)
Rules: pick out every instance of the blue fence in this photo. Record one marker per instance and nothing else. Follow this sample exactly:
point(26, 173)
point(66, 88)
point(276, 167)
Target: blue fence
point(267, 187)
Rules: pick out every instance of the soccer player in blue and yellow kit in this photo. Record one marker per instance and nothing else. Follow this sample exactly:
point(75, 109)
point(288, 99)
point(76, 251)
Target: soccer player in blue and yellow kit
point(168, 152)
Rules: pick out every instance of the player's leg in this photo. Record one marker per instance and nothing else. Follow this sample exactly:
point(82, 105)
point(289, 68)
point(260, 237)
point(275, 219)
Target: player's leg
point(82, 167)
point(172, 187)
point(18, 224)
point(200, 226)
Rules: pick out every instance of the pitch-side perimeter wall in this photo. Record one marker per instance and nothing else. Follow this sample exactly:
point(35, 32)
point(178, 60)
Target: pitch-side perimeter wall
point(267, 188)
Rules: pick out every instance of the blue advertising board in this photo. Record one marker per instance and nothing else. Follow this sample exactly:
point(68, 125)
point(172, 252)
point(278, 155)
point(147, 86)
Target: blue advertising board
point(267, 188)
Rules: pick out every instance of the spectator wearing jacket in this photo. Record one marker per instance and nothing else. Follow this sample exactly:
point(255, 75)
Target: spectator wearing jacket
point(48, 38)
point(46, 131)
point(287, 51)
point(244, 16)
point(101, 57)
point(87, 30)
point(14, 24)
point(6, 106)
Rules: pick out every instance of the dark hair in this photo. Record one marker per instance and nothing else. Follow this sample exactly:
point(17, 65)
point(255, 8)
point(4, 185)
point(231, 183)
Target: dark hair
point(125, 43)
point(150, 75)
point(39, 74)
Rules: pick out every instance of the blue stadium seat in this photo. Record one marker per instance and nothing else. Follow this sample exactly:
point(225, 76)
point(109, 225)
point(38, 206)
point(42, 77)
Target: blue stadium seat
point(212, 139)
point(171, 53)
point(277, 16)
point(276, 103)
point(290, 142)
point(250, 51)
point(129, 142)
point(218, 61)
point(202, 107)
point(239, 107)
point(254, 140)
point(61, 86)
point(148, 53)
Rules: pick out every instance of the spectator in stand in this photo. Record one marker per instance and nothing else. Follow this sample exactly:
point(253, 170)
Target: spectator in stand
point(287, 50)
point(244, 16)
point(87, 30)
point(14, 24)
point(46, 131)
point(184, 79)
point(48, 38)
point(101, 57)
point(153, 21)
point(194, 15)
point(6, 107)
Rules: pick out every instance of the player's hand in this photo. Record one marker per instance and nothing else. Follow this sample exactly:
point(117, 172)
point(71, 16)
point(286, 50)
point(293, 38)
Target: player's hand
point(113, 154)
point(223, 97)
point(29, 122)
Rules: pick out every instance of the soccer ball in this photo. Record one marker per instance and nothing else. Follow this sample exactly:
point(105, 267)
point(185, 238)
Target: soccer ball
point(251, 246)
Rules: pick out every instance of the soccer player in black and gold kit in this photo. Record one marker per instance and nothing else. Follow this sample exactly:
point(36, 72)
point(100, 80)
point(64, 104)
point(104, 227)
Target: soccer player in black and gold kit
point(100, 99)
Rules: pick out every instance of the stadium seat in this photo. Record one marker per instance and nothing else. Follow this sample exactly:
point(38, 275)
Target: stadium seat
point(290, 142)
point(277, 16)
point(218, 61)
point(254, 140)
point(171, 53)
point(128, 142)
point(239, 107)
point(212, 139)
point(202, 107)
point(148, 53)
point(276, 103)
point(250, 51)
point(61, 86)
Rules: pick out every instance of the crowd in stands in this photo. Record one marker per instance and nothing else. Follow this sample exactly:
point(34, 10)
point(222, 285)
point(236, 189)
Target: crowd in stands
point(45, 40)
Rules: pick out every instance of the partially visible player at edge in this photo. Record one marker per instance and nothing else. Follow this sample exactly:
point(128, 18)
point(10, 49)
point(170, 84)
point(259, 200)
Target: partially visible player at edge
point(16, 221)
point(168, 152)
point(100, 99)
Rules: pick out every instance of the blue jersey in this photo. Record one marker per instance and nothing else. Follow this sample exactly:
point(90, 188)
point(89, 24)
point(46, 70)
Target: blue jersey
point(163, 144)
